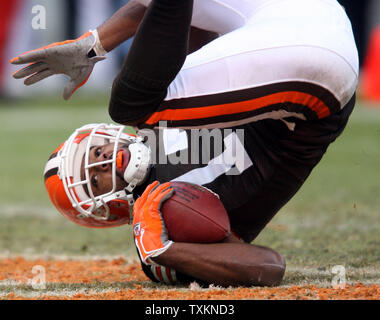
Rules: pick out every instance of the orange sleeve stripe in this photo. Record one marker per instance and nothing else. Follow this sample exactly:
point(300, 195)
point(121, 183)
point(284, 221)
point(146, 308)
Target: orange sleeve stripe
point(167, 271)
point(312, 102)
point(158, 270)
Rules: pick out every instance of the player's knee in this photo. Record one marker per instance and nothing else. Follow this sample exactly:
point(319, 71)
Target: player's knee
point(116, 105)
point(133, 104)
point(119, 106)
point(113, 114)
point(122, 112)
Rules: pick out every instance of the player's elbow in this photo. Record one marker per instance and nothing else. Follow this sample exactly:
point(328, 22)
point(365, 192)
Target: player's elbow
point(269, 272)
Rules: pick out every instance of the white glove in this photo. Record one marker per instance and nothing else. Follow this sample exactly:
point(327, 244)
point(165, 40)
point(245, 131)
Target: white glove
point(74, 58)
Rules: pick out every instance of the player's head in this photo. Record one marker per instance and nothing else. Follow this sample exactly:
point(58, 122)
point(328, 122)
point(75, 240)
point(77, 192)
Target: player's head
point(91, 176)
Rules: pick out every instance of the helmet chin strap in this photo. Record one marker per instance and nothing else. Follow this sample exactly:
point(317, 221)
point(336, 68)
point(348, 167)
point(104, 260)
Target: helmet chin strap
point(124, 195)
point(138, 165)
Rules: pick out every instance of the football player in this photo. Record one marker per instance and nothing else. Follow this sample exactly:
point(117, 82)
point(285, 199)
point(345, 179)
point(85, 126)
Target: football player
point(96, 175)
point(283, 72)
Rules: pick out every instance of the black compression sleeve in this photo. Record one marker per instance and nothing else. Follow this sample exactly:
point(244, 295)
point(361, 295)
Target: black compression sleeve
point(156, 56)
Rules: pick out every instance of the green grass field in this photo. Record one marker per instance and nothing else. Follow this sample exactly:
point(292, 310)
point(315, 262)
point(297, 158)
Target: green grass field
point(333, 220)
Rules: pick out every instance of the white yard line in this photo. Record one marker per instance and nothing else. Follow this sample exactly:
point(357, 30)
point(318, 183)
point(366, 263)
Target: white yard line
point(130, 259)
point(56, 293)
point(67, 292)
point(349, 270)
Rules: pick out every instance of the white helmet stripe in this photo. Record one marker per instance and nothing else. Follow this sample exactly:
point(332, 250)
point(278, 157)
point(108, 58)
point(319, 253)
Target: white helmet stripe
point(53, 163)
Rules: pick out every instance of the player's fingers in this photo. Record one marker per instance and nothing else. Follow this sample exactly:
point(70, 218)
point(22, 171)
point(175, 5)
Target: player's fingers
point(141, 200)
point(165, 195)
point(30, 69)
point(41, 53)
point(30, 56)
point(160, 195)
point(69, 89)
point(159, 189)
point(139, 204)
point(149, 189)
point(136, 208)
point(38, 77)
point(74, 85)
point(154, 193)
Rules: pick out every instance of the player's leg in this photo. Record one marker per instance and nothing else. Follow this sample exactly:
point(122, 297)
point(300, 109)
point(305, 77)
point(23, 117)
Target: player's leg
point(269, 68)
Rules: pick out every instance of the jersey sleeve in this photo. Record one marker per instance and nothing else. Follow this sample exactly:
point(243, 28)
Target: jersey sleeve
point(166, 275)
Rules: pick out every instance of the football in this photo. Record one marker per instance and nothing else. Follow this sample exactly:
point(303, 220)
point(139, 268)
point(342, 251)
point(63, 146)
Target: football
point(194, 214)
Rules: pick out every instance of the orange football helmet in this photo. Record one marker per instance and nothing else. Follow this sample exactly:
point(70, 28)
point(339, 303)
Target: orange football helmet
point(67, 189)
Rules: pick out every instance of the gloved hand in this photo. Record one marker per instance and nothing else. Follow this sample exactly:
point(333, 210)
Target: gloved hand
point(148, 226)
point(74, 58)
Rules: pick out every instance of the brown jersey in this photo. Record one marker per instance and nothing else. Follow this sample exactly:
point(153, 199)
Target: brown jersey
point(255, 170)
point(278, 161)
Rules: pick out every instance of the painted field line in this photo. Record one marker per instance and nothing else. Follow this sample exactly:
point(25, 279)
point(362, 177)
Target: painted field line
point(132, 258)
point(25, 290)
point(313, 292)
point(129, 259)
point(315, 271)
point(56, 293)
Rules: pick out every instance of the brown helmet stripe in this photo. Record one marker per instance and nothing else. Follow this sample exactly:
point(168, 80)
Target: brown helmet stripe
point(53, 155)
point(50, 173)
point(51, 166)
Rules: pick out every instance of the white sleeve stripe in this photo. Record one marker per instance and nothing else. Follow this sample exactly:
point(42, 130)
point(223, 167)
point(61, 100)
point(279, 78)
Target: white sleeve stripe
point(153, 269)
point(174, 275)
point(52, 164)
point(165, 276)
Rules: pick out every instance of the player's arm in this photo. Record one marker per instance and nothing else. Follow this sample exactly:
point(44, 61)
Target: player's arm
point(124, 23)
point(225, 264)
point(231, 263)
point(121, 26)
point(77, 58)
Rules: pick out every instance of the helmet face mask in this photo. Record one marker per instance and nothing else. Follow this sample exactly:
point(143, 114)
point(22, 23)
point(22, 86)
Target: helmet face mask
point(71, 190)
